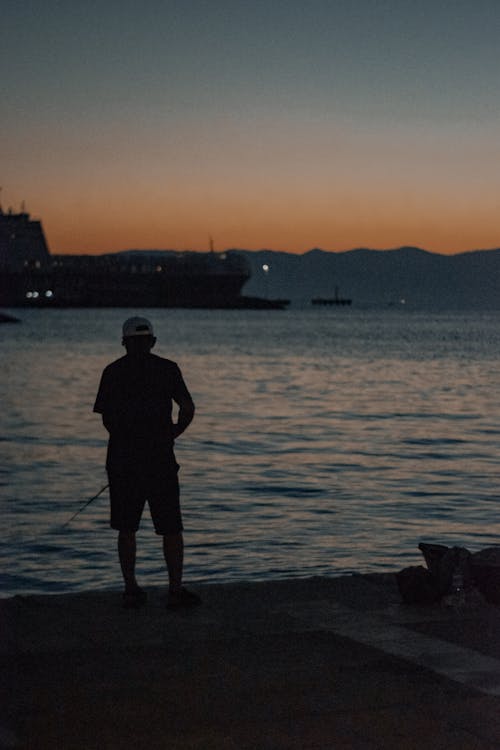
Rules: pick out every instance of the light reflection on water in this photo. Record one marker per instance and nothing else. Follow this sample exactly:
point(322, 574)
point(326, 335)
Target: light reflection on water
point(324, 442)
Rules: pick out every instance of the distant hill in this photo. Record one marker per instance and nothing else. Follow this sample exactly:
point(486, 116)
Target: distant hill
point(379, 277)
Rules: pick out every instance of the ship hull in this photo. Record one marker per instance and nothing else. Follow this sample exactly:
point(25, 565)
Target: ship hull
point(122, 290)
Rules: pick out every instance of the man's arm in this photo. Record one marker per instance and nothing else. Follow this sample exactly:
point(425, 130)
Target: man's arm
point(108, 423)
point(104, 399)
point(185, 416)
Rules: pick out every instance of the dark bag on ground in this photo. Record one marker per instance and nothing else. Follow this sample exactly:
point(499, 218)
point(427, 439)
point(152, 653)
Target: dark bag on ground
point(419, 585)
point(486, 571)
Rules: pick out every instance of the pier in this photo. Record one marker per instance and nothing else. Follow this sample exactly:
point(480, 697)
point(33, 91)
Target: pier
point(323, 663)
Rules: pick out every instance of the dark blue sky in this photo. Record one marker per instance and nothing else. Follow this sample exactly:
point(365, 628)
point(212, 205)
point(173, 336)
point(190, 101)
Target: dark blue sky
point(283, 124)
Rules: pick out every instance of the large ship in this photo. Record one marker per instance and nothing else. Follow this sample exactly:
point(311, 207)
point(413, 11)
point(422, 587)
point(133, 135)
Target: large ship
point(31, 276)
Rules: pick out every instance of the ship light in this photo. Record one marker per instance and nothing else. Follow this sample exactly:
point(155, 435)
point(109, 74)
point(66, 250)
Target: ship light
point(35, 295)
point(159, 269)
point(49, 293)
point(29, 295)
point(265, 268)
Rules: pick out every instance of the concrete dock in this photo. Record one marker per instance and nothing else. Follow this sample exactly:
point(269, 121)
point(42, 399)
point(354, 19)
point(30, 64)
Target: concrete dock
point(302, 664)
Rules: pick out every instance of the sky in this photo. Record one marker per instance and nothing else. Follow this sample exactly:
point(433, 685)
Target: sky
point(279, 124)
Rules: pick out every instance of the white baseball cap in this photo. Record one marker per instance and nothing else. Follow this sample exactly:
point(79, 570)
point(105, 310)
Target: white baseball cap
point(137, 327)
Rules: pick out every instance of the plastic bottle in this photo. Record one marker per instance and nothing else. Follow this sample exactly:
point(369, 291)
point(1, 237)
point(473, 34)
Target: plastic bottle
point(456, 598)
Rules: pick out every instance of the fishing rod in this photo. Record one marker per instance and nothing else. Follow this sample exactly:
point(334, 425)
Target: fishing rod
point(84, 506)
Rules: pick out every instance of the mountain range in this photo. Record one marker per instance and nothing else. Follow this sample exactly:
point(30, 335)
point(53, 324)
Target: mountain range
point(407, 275)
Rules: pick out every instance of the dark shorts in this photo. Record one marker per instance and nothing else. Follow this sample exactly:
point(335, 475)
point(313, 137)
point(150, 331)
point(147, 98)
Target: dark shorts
point(130, 490)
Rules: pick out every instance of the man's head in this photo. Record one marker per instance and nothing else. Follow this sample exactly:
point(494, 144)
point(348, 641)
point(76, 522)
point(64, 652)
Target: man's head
point(138, 336)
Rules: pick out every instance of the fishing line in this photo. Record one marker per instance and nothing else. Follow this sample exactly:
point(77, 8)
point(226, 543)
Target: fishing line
point(84, 506)
point(60, 527)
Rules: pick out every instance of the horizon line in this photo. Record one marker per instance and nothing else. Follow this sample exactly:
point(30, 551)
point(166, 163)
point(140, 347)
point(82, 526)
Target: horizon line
point(289, 252)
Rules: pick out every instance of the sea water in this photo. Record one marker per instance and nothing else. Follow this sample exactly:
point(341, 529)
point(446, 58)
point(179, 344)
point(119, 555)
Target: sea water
point(325, 442)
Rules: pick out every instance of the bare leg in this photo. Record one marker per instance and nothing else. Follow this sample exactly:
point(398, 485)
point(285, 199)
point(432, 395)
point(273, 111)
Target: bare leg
point(173, 551)
point(127, 553)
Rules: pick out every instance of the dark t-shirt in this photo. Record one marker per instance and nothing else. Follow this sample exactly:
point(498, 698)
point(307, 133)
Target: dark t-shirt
point(135, 399)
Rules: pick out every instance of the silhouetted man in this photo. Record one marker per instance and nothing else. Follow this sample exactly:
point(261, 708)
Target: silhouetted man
point(135, 400)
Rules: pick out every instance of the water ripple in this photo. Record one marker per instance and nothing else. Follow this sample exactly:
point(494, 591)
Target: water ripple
point(322, 444)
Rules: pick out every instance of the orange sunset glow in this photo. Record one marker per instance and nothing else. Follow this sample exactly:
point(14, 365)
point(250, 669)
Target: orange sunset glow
point(337, 127)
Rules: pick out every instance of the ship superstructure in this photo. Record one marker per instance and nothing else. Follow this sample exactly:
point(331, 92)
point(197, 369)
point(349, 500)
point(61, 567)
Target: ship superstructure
point(22, 242)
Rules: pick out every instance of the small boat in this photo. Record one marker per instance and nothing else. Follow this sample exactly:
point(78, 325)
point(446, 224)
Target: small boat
point(327, 301)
